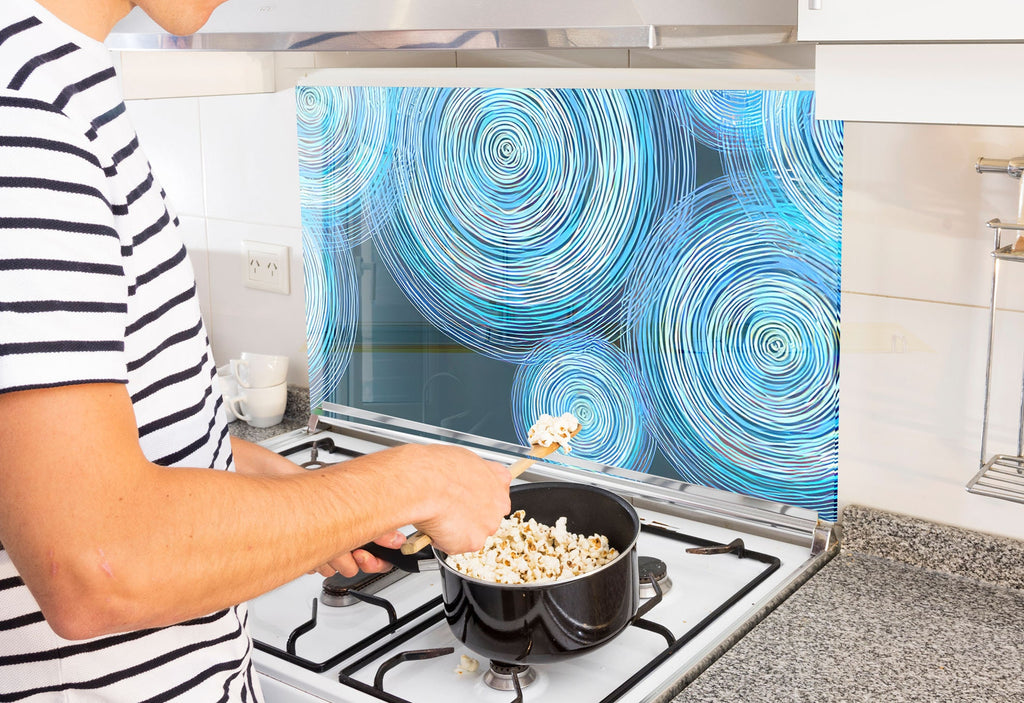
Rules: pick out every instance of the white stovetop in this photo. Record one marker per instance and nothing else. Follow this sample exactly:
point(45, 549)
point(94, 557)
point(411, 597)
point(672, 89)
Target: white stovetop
point(700, 584)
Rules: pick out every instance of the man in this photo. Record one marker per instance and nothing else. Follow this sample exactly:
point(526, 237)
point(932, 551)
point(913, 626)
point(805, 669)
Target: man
point(131, 523)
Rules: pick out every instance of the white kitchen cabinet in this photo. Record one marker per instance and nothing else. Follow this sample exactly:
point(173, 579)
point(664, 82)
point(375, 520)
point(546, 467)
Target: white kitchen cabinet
point(974, 84)
point(910, 20)
point(922, 61)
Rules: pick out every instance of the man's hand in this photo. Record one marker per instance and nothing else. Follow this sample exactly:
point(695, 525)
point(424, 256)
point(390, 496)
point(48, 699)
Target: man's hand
point(351, 563)
point(468, 497)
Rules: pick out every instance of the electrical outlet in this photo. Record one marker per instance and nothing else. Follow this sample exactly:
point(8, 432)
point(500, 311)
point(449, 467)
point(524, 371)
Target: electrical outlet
point(265, 267)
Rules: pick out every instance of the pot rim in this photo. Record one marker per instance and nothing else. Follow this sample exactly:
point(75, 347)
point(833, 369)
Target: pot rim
point(441, 556)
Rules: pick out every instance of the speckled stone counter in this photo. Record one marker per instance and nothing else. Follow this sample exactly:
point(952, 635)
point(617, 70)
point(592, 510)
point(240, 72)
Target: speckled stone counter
point(908, 611)
point(296, 415)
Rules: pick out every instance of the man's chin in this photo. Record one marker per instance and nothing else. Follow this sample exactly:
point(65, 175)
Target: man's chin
point(182, 19)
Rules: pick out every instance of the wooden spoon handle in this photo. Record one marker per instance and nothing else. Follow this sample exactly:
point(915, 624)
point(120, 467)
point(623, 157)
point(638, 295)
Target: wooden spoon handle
point(537, 452)
point(415, 542)
point(418, 540)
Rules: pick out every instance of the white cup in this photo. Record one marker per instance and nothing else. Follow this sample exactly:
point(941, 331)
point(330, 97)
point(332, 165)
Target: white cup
point(260, 407)
point(259, 370)
point(228, 388)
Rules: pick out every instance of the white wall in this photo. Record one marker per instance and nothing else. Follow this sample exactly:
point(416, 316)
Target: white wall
point(916, 284)
point(916, 280)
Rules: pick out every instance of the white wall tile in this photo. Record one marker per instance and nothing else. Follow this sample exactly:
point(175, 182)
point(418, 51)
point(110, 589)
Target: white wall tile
point(554, 58)
point(293, 67)
point(386, 59)
point(250, 158)
point(914, 210)
point(780, 56)
point(550, 77)
point(167, 74)
point(254, 320)
point(168, 131)
point(910, 421)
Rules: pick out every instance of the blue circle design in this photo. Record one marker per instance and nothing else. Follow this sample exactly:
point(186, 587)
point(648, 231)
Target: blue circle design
point(719, 119)
point(739, 351)
point(787, 164)
point(344, 158)
point(597, 383)
point(524, 211)
point(332, 309)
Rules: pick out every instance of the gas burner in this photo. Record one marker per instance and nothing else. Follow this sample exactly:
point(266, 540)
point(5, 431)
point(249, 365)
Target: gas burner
point(315, 446)
point(314, 462)
point(652, 566)
point(501, 676)
point(340, 591)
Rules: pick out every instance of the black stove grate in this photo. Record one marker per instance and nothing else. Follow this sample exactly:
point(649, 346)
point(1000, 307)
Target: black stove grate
point(345, 654)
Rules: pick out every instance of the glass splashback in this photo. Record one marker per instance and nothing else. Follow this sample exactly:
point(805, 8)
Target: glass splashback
point(665, 264)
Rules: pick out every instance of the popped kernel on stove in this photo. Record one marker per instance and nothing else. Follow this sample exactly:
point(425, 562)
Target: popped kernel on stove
point(526, 551)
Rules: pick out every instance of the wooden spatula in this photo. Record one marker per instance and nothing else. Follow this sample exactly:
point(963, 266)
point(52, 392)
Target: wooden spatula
point(418, 540)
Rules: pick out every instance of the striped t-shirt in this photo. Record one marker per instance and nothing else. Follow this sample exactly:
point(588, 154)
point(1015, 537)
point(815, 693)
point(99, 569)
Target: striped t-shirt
point(95, 286)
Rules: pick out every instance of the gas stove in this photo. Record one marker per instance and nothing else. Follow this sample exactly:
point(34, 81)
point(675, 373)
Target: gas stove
point(713, 564)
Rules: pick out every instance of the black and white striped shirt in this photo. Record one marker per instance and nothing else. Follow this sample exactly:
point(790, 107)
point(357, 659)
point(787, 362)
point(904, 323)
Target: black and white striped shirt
point(95, 286)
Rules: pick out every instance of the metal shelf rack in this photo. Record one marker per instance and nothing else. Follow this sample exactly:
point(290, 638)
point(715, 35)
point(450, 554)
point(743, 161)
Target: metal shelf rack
point(1001, 475)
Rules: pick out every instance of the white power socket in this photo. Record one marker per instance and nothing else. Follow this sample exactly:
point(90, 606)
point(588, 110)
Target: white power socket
point(265, 267)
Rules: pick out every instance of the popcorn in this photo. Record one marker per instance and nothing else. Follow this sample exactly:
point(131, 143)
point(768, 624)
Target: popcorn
point(467, 665)
point(525, 551)
point(553, 430)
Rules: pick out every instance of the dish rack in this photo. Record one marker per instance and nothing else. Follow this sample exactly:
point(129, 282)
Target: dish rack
point(1001, 475)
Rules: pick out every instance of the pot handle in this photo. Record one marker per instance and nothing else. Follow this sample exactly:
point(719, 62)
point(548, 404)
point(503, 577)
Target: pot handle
point(414, 563)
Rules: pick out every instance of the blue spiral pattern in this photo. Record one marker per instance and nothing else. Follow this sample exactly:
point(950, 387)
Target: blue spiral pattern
point(332, 308)
point(779, 159)
point(720, 119)
point(345, 152)
point(524, 211)
point(806, 156)
point(597, 383)
point(739, 352)
point(790, 164)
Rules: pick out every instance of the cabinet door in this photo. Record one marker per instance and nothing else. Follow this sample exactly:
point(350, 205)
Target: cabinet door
point(910, 20)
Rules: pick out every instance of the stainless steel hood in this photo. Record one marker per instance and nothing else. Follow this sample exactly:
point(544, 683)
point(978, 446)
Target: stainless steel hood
point(373, 25)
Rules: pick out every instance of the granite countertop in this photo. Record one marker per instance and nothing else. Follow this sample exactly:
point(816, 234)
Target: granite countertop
point(296, 415)
point(907, 611)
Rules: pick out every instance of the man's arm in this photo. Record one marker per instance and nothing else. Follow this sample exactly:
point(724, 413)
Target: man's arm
point(253, 459)
point(107, 541)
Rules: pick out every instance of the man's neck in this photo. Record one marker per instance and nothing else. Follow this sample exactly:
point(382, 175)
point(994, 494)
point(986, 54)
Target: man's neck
point(94, 18)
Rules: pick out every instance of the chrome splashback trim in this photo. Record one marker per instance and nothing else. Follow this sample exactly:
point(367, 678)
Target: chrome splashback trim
point(777, 520)
point(639, 37)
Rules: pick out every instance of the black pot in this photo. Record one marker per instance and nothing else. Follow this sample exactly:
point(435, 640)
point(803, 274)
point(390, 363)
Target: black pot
point(537, 623)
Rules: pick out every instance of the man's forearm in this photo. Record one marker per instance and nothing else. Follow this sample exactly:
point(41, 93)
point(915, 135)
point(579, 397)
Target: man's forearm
point(216, 539)
point(252, 459)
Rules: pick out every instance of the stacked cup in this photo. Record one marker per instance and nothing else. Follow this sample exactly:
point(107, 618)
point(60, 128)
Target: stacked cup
point(255, 389)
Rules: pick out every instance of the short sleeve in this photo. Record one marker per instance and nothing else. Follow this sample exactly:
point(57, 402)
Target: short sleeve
point(63, 290)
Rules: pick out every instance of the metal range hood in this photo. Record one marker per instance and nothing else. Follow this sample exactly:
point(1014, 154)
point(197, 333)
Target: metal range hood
point(473, 25)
